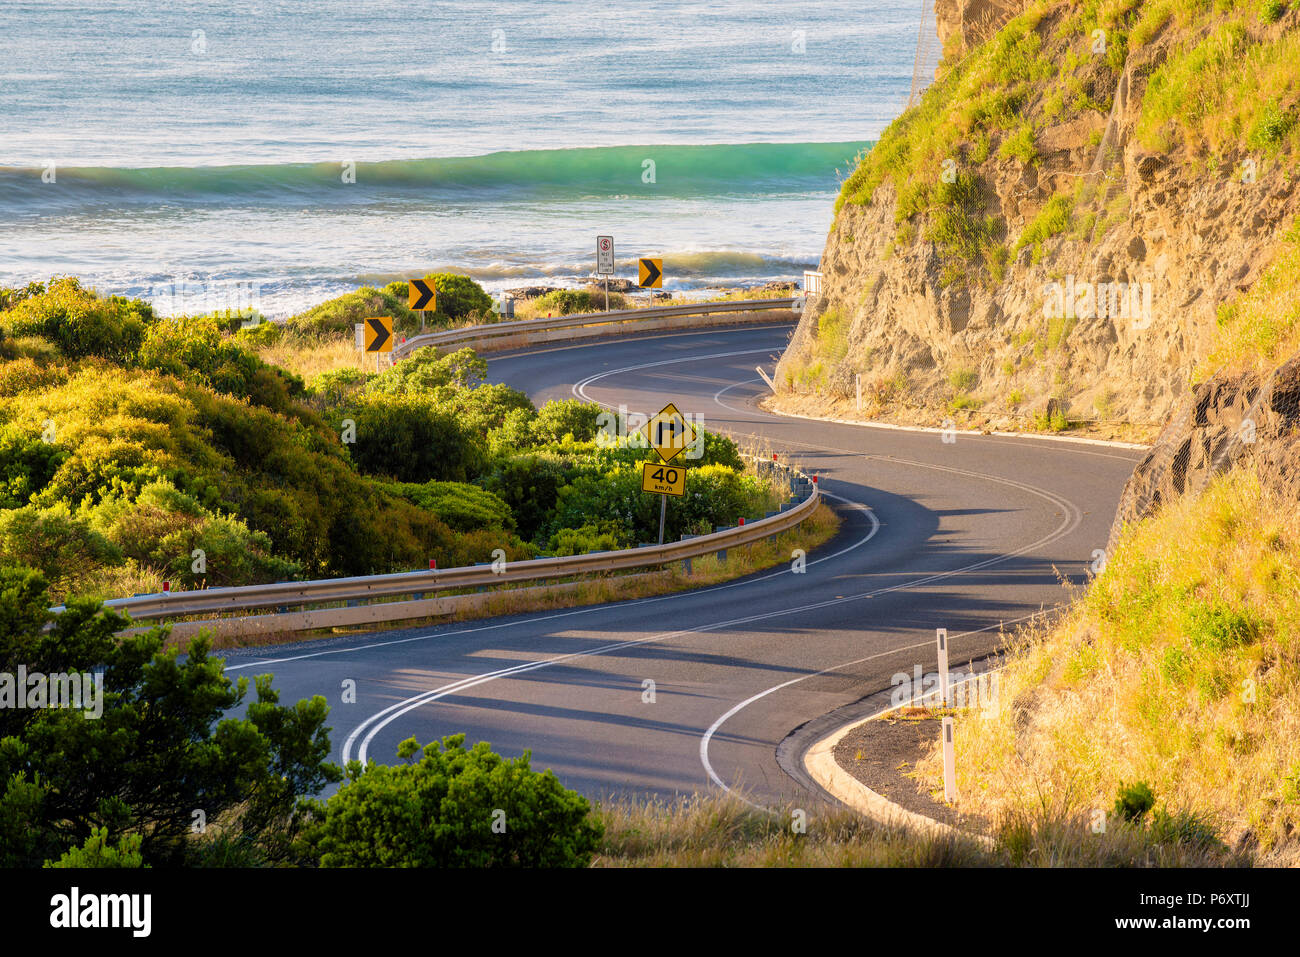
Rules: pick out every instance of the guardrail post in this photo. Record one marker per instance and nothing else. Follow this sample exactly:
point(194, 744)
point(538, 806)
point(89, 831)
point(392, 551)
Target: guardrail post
point(722, 554)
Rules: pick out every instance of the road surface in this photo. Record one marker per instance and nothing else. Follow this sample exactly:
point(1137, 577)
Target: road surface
point(963, 535)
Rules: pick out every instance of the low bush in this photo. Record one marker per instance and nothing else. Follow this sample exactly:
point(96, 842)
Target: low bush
point(450, 806)
point(80, 322)
point(463, 507)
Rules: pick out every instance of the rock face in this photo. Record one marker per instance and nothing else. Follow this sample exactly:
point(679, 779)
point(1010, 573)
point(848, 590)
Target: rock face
point(972, 21)
point(1106, 318)
point(1228, 421)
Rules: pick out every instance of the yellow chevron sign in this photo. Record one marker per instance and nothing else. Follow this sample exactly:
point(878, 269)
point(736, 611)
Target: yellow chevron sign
point(379, 334)
point(650, 273)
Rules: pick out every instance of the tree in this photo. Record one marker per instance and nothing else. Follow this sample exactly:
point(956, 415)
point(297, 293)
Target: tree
point(160, 751)
point(450, 807)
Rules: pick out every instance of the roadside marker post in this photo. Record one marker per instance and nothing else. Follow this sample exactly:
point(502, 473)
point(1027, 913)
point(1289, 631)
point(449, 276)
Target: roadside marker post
point(941, 638)
point(858, 378)
point(949, 764)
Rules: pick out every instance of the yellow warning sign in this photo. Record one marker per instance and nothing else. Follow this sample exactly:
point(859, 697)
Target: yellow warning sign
point(379, 334)
point(650, 273)
point(663, 479)
point(669, 432)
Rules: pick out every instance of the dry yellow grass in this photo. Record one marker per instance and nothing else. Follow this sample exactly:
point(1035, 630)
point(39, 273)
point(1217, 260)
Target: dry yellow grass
point(722, 830)
point(307, 357)
point(1262, 327)
point(1180, 668)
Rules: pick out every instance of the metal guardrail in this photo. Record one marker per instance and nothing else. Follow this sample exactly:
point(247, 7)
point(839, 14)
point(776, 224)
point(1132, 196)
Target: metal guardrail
point(587, 323)
point(283, 595)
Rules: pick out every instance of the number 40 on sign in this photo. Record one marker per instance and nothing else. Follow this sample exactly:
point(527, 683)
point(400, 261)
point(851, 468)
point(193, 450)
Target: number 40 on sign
point(663, 479)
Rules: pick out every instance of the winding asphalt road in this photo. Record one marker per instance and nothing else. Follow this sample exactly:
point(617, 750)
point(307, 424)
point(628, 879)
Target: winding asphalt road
point(963, 535)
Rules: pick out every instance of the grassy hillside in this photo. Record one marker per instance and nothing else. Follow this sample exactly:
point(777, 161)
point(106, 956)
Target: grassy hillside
point(136, 449)
point(1179, 669)
point(1141, 155)
point(1226, 76)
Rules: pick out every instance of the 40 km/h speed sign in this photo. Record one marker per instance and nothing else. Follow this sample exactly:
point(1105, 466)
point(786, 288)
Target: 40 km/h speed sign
point(663, 479)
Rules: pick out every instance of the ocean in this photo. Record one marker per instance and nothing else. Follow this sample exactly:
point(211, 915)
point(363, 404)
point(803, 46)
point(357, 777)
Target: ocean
point(303, 149)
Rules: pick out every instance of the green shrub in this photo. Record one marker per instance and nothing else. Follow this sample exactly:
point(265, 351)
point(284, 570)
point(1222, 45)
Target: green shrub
point(963, 380)
point(63, 546)
point(1218, 627)
point(97, 852)
point(333, 388)
point(161, 527)
point(80, 322)
point(565, 302)
point(1271, 11)
point(1057, 421)
point(11, 297)
point(1134, 801)
point(566, 417)
point(459, 297)
point(463, 507)
point(27, 463)
point(451, 807)
point(592, 537)
point(338, 317)
point(514, 434)
point(1052, 219)
point(485, 407)
point(1020, 144)
point(530, 484)
point(262, 334)
point(175, 734)
point(1271, 127)
point(195, 349)
point(426, 371)
point(414, 439)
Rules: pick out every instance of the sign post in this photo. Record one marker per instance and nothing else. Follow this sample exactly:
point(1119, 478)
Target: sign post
point(668, 433)
point(605, 262)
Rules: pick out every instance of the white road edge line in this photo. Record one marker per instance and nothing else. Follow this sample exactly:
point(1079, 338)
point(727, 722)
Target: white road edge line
point(713, 728)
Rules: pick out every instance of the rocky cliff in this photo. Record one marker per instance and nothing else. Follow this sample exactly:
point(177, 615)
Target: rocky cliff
point(1049, 237)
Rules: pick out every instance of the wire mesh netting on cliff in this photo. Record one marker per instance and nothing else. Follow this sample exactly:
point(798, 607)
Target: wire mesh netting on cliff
point(1248, 418)
point(929, 51)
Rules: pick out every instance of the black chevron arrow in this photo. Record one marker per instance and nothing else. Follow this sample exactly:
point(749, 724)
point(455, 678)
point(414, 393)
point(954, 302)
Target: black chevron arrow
point(652, 273)
point(422, 294)
point(379, 335)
